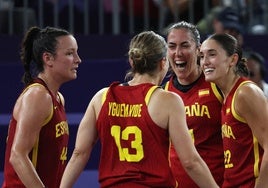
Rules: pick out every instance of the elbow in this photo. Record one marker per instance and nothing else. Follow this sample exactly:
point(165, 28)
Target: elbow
point(78, 154)
point(14, 158)
point(190, 164)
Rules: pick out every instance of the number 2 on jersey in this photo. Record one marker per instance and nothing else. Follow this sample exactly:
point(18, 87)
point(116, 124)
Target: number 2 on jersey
point(122, 135)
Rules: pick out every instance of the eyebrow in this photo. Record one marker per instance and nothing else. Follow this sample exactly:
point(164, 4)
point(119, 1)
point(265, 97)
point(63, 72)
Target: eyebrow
point(182, 43)
point(211, 50)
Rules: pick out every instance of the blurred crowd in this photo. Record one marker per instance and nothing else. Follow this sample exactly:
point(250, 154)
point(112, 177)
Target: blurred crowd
point(210, 16)
point(137, 15)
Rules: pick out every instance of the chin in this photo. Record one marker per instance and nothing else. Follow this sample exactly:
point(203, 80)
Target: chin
point(74, 77)
point(209, 79)
point(71, 78)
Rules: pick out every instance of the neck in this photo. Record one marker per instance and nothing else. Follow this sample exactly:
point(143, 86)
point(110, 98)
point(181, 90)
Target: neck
point(228, 85)
point(50, 84)
point(142, 79)
point(192, 77)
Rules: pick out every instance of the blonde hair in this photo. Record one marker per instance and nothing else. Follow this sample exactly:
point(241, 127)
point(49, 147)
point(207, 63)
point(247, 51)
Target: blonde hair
point(146, 49)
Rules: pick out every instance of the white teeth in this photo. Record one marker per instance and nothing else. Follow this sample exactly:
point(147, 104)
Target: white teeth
point(180, 62)
point(207, 70)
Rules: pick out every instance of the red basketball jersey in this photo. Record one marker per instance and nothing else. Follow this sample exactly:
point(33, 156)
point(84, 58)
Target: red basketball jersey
point(202, 107)
point(134, 150)
point(241, 149)
point(49, 154)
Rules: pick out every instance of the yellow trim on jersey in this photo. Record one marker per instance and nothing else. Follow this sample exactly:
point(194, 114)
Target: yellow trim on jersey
point(169, 148)
point(61, 98)
point(103, 98)
point(49, 117)
point(147, 97)
point(149, 93)
point(166, 86)
point(255, 141)
point(236, 116)
point(32, 85)
point(256, 156)
point(216, 92)
point(35, 152)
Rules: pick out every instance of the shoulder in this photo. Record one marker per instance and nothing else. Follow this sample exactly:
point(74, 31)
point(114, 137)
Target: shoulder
point(36, 92)
point(100, 96)
point(167, 98)
point(36, 98)
point(35, 101)
point(247, 90)
point(245, 95)
point(165, 106)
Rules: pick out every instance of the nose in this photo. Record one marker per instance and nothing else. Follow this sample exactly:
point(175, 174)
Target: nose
point(77, 59)
point(178, 51)
point(204, 60)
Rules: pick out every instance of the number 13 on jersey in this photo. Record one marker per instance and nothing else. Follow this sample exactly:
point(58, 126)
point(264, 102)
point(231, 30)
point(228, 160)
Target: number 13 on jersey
point(123, 135)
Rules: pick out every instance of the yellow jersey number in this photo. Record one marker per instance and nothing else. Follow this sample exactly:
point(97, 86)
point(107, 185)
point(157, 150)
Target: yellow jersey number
point(227, 159)
point(63, 156)
point(136, 144)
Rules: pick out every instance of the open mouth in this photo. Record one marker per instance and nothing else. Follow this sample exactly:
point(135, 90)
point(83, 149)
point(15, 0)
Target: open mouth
point(180, 64)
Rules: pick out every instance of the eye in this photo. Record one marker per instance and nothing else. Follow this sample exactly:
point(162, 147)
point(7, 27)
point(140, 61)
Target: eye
point(69, 53)
point(185, 45)
point(171, 46)
point(200, 55)
point(212, 54)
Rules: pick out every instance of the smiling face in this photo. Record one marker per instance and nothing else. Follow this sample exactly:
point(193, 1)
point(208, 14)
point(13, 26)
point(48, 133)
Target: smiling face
point(182, 54)
point(215, 62)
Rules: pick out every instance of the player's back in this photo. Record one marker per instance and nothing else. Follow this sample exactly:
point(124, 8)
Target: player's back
point(134, 148)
